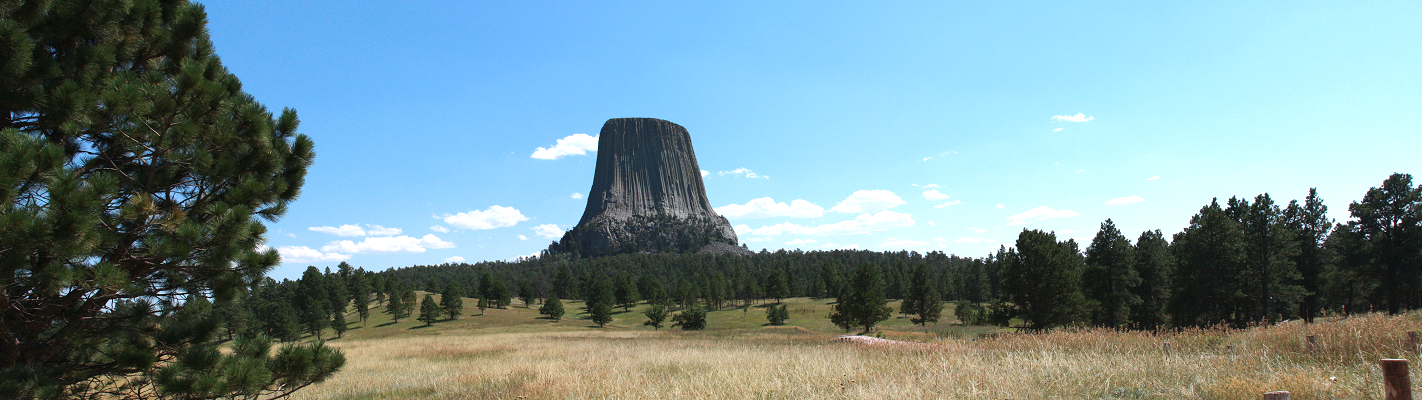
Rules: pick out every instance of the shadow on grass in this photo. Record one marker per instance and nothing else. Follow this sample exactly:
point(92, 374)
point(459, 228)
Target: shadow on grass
point(386, 324)
point(420, 327)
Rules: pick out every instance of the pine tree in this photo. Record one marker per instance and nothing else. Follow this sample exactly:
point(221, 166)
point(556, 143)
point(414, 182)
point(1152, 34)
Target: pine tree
point(338, 323)
point(777, 314)
point(600, 313)
point(1154, 265)
point(136, 171)
point(525, 293)
point(552, 308)
point(1389, 219)
point(862, 302)
point(451, 300)
point(1311, 226)
point(1043, 279)
point(691, 319)
point(656, 315)
point(1209, 256)
point(1110, 277)
point(626, 292)
point(396, 308)
point(429, 310)
point(923, 303)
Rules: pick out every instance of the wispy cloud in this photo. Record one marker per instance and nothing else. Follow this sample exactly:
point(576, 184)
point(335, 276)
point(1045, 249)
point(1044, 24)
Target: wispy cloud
point(897, 244)
point(864, 223)
point(522, 237)
point(746, 172)
point(977, 230)
point(1079, 117)
point(868, 201)
point(493, 217)
point(575, 144)
point(974, 240)
point(577, 196)
point(948, 204)
point(1058, 130)
point(1124, 200)
point(798, 242)
point(356, 230)
point(1038, 214)
point(1153, 178)
point(303, 254)
point(999, 205)
point(455, 259)
point(550, 231)
point(388, 244)
point(439, 228)
point(704, 173)
point(766, 207)
point(934, 195)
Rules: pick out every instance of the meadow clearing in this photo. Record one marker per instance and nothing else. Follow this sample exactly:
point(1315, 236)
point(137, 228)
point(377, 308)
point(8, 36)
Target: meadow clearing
point(508, 354)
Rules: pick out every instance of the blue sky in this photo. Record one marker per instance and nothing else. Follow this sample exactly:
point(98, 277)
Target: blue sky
point(944, 126)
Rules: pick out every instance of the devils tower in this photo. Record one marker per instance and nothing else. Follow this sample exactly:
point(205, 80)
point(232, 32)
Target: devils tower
point(647, 196)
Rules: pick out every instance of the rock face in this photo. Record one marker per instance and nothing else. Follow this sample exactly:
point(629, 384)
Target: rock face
point(647, 195)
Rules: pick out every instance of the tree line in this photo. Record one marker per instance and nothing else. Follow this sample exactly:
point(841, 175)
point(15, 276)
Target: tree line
point(1238, 262)
point(1242, 261)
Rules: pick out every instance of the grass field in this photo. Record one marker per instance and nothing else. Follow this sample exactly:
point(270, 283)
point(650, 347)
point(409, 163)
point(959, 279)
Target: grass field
point(510, 354)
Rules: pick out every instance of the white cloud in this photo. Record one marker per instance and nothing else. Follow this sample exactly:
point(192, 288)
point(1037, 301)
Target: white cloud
point(741, 172)
point(1057, 130)
point(798, 242)
point(577, 195)
point(1124, 200)
point(522, 237)
point(1081, 170)
point(343, 230)
point(977, 230)
point(868, 201)
point(291, 235)
point(766, 207)
point(1040, 213)
point(930, 186)
point(759, 239)
point(455, 259)
point(356, 230)
point(930, 223)
point(864, 223)
point(934, 195)
point(388, 244)
point(833, 246)
point(1079, 117)
point(895, 244)
point(704, 173)
point(948, 204)
point(377, 230)
point(494, 217)
point(575, 144)
point(1153, 178)
point(999, 205)
point(548, 231)
point(974, 240)
point(439, 228)
point(303, 254)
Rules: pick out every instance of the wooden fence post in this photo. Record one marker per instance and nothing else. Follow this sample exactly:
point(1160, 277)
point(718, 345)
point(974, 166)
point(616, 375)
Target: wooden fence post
point(1396, 385)
point(1280, 395)
point(1312, 343)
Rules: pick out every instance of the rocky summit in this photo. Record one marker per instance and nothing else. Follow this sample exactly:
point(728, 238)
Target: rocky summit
point(647, 196)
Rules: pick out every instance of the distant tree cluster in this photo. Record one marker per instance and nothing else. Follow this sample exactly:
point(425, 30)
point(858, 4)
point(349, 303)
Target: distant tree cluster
point(1247, 260)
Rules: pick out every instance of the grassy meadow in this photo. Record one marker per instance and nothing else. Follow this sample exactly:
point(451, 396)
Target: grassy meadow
point(510, 353)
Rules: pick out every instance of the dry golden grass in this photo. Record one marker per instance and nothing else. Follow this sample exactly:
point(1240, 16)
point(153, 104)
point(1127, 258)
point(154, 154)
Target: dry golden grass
point(791, 362)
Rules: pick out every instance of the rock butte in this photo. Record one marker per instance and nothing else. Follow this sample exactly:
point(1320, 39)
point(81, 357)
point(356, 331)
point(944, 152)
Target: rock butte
point(647, 196)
